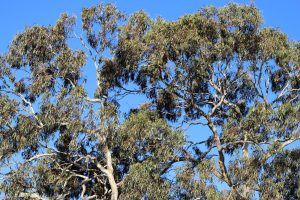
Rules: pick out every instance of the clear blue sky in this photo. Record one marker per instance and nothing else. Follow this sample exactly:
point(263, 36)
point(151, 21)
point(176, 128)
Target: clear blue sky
point(16, 14)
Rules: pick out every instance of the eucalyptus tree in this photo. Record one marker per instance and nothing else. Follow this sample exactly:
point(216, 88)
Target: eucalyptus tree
point(217, 69)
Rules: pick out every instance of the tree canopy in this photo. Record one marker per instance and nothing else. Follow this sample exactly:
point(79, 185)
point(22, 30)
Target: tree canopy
point(218, 69)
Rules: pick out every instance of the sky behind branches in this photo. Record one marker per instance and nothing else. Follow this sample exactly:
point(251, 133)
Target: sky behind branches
point(15, 15)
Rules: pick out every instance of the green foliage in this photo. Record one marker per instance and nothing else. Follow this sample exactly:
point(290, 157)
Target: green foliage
point(217, 69)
